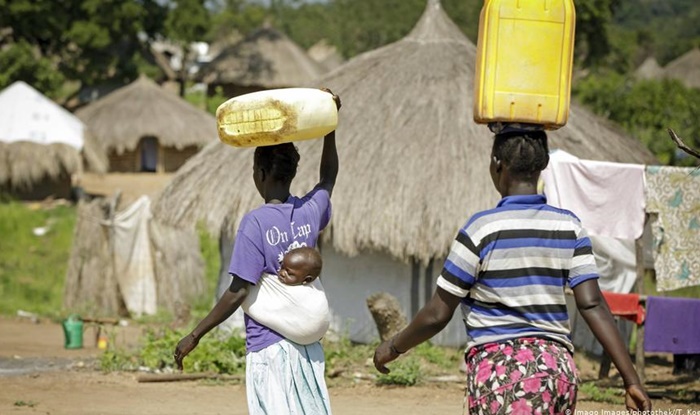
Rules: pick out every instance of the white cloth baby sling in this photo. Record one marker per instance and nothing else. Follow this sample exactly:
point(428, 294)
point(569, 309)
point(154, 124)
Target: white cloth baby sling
point(300, 313)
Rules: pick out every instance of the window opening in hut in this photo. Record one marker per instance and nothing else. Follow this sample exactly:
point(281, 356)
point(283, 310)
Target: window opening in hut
point(149, 154)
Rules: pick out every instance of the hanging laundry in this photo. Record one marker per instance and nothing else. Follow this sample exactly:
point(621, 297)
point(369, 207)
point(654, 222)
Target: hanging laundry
point(616, 262)
point(673, 197)
point(625, 305)
point(607, 197)
point(672, 325)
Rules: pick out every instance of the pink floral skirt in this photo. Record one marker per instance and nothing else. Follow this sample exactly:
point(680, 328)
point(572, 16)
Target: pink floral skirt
point(520, 377)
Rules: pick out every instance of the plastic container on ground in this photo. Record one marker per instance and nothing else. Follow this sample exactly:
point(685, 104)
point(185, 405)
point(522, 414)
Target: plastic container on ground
point(73, 332)
point(276, 116)
point(524, 62)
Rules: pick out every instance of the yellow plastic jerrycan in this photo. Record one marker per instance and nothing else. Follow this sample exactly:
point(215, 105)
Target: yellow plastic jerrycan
point(276, 116)
point(524, 61)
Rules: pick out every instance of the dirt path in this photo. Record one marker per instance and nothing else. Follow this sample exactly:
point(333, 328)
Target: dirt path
point(38, 376)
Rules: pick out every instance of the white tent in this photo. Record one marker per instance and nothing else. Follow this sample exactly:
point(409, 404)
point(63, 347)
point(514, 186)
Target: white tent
point(27, 115)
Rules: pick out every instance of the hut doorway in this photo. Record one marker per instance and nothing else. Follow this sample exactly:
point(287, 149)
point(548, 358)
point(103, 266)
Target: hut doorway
point(149, 154)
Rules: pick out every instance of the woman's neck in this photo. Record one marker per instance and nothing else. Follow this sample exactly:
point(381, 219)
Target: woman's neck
point(277, 194)
point(521, 188)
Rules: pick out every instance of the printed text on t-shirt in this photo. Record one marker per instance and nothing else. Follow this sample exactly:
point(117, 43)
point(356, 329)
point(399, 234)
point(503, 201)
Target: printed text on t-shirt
point(275, 236)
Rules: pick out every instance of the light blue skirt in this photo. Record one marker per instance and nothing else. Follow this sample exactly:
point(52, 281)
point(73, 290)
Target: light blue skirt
point(287, 378)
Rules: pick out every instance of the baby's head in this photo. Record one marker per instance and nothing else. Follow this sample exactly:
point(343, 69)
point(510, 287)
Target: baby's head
point(300, 266)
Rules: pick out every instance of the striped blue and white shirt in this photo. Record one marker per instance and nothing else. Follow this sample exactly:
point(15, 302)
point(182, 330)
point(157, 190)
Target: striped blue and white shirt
point(511, 264)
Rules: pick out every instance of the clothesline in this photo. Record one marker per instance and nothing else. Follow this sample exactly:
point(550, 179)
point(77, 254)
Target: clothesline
point(642, 298)
point(615, 200)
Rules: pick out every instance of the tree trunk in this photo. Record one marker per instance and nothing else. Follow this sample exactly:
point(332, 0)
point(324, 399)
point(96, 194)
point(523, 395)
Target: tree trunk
point(387, 314)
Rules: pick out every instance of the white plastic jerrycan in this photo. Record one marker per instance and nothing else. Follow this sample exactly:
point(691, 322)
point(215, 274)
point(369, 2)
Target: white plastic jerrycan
point(276, 116)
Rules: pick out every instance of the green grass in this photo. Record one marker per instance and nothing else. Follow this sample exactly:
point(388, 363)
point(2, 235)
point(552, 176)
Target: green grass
point(33, 268)
point(405, 372)
point(209, 246)
point(28, 404)
point(225, 355)
point(600, 394)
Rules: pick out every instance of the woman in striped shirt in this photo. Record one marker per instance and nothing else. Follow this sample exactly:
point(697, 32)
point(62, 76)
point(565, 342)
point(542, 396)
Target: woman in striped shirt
point(507, 270)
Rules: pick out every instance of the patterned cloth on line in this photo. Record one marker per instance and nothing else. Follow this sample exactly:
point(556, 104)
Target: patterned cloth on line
point(673, 194)
point(286, 378)
point(519, 377)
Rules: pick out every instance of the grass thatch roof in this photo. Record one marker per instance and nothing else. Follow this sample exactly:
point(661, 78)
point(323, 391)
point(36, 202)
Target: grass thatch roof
point(686, 68)
point(266, 58)
point(25, 163)
point(94, 155)
point(413, 164)
point(326, 54)
point(40, 140)
point(142, 109)
point(649, 69)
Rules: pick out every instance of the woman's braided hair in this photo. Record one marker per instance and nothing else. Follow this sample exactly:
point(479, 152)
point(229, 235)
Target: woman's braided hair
point(280, 161)
point(525, 153)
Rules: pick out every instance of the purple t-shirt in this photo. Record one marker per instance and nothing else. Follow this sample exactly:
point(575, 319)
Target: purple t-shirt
point(265, 235)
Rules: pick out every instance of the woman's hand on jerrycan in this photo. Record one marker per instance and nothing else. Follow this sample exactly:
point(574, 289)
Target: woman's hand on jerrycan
point(335, 97)
point(184, 347)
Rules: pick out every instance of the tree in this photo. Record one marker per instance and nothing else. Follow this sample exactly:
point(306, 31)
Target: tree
point(21, 61)
point(235, 18)
point(187, 22)
point(646, 109)
point(86, 41)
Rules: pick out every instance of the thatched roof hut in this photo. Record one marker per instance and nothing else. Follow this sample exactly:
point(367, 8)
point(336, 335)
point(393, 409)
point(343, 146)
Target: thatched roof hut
point(264, 59)
point(326, 54)
point(41, 144)
point(649, 69)
point(685, 68)
point(142, 109)
point(414, 165)
point(26, 163)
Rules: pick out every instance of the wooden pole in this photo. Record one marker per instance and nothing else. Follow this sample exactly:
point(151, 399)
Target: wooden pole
point(428, 282)
point(639, 352)
point(415, 286)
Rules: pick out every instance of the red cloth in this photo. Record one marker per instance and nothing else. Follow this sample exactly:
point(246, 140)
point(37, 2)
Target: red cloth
point(625, 305)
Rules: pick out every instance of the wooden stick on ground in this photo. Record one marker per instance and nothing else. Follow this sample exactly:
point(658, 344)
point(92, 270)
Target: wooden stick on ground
point(178, 377)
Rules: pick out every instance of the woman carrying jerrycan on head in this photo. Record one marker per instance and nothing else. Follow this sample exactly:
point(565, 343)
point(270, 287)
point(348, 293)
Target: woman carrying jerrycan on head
point(507, 270)
point(282, 377)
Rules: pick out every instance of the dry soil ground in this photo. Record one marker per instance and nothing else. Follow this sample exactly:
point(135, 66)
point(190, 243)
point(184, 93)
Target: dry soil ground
point(39, 376)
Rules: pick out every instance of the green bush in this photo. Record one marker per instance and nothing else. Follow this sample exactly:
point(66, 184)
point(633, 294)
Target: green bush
point(215, 353)
point(404, 372)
